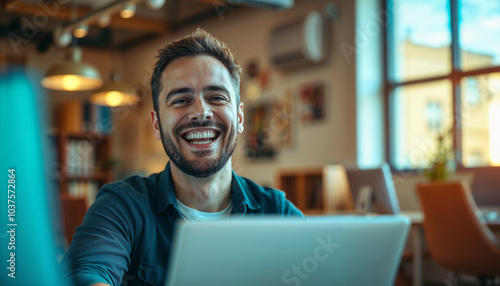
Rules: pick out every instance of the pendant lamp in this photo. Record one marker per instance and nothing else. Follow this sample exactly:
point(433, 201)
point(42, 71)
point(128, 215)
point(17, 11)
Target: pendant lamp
point(72, 74)
point(115, 93)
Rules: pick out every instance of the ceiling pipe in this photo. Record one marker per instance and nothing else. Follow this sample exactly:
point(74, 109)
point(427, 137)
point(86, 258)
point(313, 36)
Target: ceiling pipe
point(93, 16)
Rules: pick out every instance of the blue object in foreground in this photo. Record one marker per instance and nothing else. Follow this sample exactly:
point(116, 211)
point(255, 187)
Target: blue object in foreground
point(29, 208)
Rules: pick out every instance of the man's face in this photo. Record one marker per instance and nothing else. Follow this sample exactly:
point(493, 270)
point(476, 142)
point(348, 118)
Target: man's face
point(199, 120)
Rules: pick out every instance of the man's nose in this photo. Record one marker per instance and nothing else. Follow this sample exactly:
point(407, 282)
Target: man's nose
point(200, 110)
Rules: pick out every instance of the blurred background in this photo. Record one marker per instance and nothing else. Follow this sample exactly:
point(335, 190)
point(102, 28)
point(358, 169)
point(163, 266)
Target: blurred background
point(352, 83)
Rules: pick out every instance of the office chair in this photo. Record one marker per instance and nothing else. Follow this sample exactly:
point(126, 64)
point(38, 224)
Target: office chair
point(337, 195)
point(486, 186)
point(458, 239)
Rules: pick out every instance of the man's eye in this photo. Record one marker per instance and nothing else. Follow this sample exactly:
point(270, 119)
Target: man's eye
point(217, 98)
point(179, 101)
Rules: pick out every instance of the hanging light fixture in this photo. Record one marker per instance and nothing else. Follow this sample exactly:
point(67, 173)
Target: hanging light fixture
point(115, 93)
point(72, 74)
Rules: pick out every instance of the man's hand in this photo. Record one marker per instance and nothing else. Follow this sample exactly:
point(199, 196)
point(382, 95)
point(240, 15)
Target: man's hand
point(100, 284)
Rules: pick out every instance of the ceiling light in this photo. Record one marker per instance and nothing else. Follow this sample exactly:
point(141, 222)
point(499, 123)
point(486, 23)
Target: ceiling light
point(115, 93)
point(102, 16)
point(72, 74)
point(128, 11)
point(81, 31)
point(155, 4)
point(62, 39)
point(104, 20)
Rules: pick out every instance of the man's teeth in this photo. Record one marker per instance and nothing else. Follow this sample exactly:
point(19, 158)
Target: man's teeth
point(201, 142)
point(201, 135)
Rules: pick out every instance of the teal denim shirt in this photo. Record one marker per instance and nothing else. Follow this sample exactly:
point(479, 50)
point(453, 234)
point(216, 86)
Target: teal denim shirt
point(126, 235)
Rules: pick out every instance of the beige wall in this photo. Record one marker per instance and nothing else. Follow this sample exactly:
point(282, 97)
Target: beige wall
point(332, 140)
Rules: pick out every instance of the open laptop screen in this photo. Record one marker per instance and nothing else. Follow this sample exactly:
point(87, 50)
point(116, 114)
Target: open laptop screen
point(340, 250)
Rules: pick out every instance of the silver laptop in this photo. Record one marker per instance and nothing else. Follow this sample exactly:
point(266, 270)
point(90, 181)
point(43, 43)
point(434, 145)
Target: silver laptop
point(260, 251)
point(383, 195)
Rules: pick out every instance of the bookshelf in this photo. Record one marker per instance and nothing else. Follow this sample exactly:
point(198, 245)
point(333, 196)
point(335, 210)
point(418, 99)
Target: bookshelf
point(316, 190)
point(82, 163)
point(303, 187)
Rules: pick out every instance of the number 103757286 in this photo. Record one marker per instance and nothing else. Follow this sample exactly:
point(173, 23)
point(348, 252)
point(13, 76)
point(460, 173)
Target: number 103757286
point(11, 195)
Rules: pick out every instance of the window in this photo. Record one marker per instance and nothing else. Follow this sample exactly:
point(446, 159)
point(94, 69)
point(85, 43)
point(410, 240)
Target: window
point(442, 72)
point(434, 116)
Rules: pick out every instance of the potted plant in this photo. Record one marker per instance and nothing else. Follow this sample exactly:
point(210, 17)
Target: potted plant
point(442, 159)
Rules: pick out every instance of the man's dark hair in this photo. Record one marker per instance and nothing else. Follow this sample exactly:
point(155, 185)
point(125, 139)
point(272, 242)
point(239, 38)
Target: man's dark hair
point(199, 42)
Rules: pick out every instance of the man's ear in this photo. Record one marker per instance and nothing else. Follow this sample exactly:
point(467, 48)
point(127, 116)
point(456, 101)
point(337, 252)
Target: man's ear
point(156, 124)
point(241, 118)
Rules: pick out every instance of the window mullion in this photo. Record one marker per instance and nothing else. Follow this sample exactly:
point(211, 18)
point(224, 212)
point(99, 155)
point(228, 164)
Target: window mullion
point(455, 79)
point(388, 54)
point(455, 38)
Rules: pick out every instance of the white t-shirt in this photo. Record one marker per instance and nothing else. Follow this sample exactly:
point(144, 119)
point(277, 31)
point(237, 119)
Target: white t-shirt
point(196, 215)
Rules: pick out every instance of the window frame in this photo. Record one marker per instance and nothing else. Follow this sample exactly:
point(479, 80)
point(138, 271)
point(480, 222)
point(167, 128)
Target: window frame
point(455, 76)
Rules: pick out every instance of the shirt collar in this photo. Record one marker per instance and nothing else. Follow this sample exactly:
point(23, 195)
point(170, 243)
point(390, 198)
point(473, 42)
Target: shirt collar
point(241, 197)
point(165, 195)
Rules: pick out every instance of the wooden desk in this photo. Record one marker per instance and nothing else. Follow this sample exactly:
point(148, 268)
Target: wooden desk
point(417, 219)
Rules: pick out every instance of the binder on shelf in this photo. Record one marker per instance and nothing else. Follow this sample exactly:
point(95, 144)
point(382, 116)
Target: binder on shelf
point(102, 120)
point(70, 116)
point(75, 116)
point(84, 189)
point(80, 157)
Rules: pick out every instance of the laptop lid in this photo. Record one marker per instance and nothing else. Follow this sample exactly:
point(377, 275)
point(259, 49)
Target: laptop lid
point(384, 198)
point(364, 200)
point(338, 250)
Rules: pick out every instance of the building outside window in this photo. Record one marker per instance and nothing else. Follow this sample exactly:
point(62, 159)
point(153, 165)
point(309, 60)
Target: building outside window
point(443, 71)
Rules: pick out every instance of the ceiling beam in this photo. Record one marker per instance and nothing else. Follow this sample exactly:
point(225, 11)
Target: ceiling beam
point(212, 2)
point(4, 4)
point(62, 12)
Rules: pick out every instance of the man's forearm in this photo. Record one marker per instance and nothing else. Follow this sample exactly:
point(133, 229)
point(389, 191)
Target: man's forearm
point(100, 284)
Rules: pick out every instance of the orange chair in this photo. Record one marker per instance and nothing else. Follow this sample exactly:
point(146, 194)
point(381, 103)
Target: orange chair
point(458, 239)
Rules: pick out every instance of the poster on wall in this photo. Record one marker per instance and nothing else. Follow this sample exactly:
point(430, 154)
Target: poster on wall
point(312, 101)
point(259, 142)
point(283, 121)
point(255, 80)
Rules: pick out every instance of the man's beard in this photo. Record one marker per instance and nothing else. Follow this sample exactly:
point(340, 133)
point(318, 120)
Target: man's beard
point(201, 168)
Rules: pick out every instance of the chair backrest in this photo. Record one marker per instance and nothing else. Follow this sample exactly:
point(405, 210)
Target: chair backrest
point(337, 196)
point(458, 239)
point(73, 210)
point(385, 200)
point(486, 186)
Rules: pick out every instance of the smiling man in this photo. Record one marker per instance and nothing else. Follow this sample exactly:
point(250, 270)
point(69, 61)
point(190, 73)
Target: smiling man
point(126, 236)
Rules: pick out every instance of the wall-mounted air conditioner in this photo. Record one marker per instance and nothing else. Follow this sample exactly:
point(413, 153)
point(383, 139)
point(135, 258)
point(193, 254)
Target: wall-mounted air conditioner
point(299, 43)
